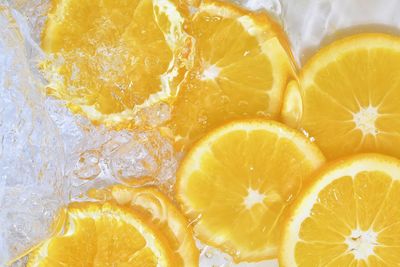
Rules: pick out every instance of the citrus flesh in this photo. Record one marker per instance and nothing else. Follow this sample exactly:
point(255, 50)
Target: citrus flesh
point(160, 212)
point(240, 67)
point(350, 92)
point(104, 235)
point(110, 58)
point(236, 183)
point(348, 217)
point(292, 108)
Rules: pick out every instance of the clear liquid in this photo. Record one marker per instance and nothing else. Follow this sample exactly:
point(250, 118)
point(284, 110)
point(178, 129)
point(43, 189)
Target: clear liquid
point(49, 156)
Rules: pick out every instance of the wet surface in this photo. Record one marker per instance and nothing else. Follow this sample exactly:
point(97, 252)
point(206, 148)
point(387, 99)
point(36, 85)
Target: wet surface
point(49, 156)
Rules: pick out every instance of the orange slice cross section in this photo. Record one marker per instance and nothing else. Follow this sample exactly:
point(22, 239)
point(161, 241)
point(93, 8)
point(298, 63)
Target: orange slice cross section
point(240, 69)
point(160, 212)
point(350, 216)
point(237, 183)
point(108, 59)
point(349, 94)
point(104, 235)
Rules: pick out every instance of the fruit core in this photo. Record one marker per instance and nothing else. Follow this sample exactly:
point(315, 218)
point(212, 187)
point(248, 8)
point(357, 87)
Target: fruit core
point(253, 197)
point(365, 120)
point(210, 73)
point(362, 243)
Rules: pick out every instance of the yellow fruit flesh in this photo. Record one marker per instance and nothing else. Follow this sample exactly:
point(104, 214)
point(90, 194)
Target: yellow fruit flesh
point(350, 93)
point(292, 109)
point(160, 212)
point(251, 172)
point(366, 203)
point(240, 69)
point(100, 235)
point(109, 57)
point(353, 220)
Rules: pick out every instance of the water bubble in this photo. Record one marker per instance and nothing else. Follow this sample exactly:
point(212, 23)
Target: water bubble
point(216, 18)
point(138, 154)
point(87, 167)
point(263, 114)
point(212, 18)
point(202, 119)
point(243, 103)
point(225, 99)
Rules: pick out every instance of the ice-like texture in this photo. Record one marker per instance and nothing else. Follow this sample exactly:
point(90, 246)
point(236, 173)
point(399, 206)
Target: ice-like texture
point(32, 187)
point(33, 12)
point(49, 156)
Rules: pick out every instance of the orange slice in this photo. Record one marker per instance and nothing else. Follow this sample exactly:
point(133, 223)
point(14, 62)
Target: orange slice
point(292, 109)
point(160, 212)
point(111, 58)
point(237, 182)
point(350, 216)
point(349, 96)
point(240, 69)
point(104, 235)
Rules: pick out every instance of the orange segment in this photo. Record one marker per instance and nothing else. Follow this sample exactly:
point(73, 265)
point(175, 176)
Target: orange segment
point(348, 217)
point(102, 235)
point(350, 92)
point(240, 69)
point(111, 57)
point(292, 108)
point(160, 212)
point(237, 182)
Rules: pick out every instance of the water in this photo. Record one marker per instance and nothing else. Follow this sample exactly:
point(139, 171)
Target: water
point(311, 23)
point(31, 152)
point(49, 156)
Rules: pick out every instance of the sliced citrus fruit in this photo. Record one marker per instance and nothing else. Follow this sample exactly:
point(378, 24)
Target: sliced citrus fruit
point(110, 58)
point(292, 108)
point(237, 182)
point(350, 93)
point(161, 212)
point(104, 235)
point(350, 216)
point(240, 68)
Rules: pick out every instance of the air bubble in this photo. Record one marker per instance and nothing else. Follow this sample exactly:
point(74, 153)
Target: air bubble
point(87, 167)
point(243, 103)
point(225, 99)
point(202, 119)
